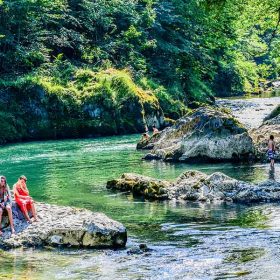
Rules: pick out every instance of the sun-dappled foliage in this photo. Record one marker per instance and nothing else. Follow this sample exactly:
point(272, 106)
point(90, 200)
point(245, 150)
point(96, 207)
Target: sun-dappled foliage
point(194, 48)
point(185, 52)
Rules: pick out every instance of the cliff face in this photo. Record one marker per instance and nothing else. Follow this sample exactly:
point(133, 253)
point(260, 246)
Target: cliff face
point(91, 104)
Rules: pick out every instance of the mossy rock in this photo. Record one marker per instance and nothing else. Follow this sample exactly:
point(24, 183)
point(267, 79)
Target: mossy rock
point(106, 102)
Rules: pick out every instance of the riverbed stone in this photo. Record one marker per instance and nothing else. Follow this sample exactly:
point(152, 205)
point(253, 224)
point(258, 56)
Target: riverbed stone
point(198, 186)
point(64, 226)
point(207, 134)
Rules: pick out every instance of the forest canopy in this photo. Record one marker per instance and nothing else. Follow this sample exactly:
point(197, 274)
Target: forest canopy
point(195, 49)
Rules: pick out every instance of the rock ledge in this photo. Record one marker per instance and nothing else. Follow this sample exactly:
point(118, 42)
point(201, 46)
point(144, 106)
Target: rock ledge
point(198, 186)
point(64, 226)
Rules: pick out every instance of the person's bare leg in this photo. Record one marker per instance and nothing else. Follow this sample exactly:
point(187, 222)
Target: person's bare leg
point(34, 213)
point(10, 215)
point(25, 213)
point(1, 213)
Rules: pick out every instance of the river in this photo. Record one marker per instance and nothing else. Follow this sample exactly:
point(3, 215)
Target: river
point(189, 241)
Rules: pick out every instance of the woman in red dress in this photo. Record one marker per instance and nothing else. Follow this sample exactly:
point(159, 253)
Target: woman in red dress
point(23, 199)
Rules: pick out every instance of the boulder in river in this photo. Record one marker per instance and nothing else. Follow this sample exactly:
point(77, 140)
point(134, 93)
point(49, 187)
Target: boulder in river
point(198, 186)
point(141, 185)
point(261, 135)
point(64, 226)
point(207, 134)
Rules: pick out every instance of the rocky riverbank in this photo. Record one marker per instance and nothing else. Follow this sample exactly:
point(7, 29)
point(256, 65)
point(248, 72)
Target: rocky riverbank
point(64, 226)
point(198, 186)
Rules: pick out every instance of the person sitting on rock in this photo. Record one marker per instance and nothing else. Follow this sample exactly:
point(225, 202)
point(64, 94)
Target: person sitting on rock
point(155, 130)
point(23, 199)
point(271, 149)
point(145, 137)
point(6, 203)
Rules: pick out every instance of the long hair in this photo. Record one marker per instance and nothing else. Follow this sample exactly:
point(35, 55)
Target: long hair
point(6, 185)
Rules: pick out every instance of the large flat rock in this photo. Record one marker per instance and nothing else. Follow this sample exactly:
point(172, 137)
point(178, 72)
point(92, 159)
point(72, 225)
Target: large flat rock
point(198, 186)
point(65, 226)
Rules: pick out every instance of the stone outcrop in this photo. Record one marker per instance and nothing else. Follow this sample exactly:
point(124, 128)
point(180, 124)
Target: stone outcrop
point(207, 134)
point(261, 135)
point(198, 186)
point(141, 185)
point(64, 226)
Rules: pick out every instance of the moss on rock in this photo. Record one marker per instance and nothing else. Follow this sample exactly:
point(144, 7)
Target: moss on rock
point(84, 103)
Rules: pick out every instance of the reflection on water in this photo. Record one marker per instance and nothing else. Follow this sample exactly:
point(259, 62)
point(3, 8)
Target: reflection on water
point(272, 173)
point(189, 240)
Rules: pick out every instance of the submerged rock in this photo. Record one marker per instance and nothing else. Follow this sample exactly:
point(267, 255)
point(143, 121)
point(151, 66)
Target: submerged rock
point(65, 226)
point(198, 186)
point(141, 249)
point(207, 134)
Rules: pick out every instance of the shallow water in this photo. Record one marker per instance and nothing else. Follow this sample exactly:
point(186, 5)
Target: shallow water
point(251, 112)
point(189, 241)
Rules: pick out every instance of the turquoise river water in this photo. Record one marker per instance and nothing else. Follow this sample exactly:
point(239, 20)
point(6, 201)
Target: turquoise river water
point(189, 241)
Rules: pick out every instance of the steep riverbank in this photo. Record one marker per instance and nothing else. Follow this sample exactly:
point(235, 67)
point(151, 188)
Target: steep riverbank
point(88, 104)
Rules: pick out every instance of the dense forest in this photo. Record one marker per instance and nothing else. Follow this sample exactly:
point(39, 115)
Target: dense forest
point(74, 68)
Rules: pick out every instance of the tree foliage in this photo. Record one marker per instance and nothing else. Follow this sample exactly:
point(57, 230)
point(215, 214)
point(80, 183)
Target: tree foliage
point(195, 49)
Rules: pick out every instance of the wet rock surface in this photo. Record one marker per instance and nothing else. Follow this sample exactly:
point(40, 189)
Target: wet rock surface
point(141, 249)
point(64, 226)
point(207, 134)
point(198, 186)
